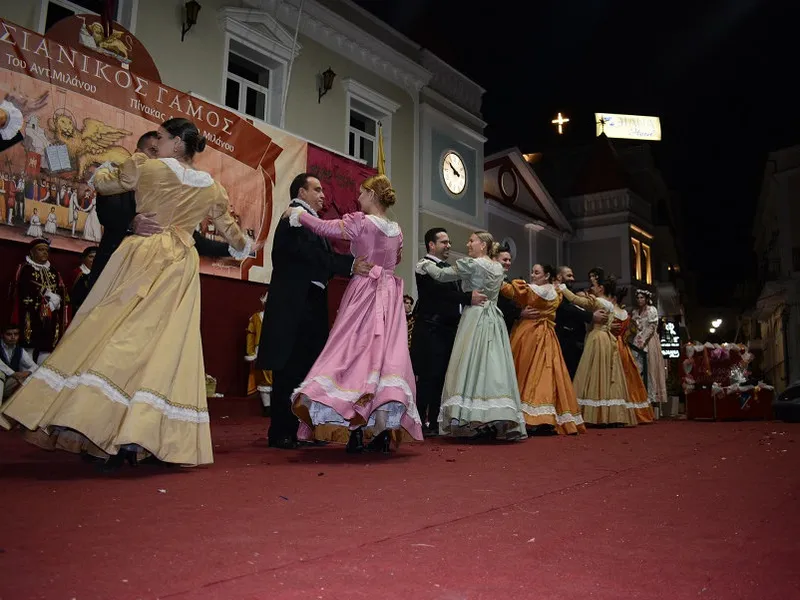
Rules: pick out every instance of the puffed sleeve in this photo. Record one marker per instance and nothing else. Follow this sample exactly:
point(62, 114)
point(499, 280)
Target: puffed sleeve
point(585, 303)
point(518, 291)
point(108, 179)
point(348, 227)
point(226, 225)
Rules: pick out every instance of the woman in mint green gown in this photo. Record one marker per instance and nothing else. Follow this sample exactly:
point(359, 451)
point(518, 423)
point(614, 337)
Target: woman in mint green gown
point(480, 397)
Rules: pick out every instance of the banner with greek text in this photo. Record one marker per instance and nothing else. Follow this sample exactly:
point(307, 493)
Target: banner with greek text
point(96, 109)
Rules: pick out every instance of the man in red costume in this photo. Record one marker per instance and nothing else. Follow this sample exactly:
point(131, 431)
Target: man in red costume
point(39, 302)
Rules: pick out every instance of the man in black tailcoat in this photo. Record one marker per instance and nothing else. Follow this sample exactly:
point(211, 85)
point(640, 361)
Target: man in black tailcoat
point(436, 321)
point(571, 322)
point(295, 326)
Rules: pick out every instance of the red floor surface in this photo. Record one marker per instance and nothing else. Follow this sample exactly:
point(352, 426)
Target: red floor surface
point(674, 510)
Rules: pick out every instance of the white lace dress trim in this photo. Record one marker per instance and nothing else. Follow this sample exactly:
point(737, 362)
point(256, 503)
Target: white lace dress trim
point(176, 413)
point(542, 410)
point(545, 292)
point(610, 402)
point(392, 412)
point(187, 176)
point(389, 228)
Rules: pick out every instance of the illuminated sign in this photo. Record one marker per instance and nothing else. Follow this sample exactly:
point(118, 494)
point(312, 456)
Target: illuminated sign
point(670, 339)
point(629, 127)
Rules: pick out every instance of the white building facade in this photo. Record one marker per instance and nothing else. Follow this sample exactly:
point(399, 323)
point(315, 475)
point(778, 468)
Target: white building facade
point(265, 60)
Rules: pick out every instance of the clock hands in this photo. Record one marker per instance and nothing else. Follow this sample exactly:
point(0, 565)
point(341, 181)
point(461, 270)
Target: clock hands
point(453, 169)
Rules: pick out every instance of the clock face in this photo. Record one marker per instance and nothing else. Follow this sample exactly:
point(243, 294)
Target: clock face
point(508, 185)
point(454, 173)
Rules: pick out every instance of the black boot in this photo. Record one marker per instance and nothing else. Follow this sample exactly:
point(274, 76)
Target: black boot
point(381, 443)
point(355, 444)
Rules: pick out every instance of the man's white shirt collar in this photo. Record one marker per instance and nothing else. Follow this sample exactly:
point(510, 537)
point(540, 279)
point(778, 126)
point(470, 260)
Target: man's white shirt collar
point(306, 206)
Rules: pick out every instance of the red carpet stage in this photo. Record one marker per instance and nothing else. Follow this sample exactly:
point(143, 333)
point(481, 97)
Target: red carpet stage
point(675, 510)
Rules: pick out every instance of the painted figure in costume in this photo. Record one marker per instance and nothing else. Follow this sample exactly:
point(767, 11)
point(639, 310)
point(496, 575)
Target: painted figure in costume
point(128, 377)
point(74, 209)
point(548, 397)
point(35, 225)
point(637, 393)
point(295, 327)
point(11, 196)
point(39, 301)
point(651, 363)
point(480, 398)
point(439, 306)
point(51, 226)
point(362, 384)
point(600, 381)
point(14, 110)
point(259, 380)
point(92, 230)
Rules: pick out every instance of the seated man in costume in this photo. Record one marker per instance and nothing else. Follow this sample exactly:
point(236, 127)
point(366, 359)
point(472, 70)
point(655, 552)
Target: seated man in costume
point(16, 364)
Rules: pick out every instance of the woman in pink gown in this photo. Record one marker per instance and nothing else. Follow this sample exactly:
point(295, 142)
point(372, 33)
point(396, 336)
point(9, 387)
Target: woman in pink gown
point(363, 383)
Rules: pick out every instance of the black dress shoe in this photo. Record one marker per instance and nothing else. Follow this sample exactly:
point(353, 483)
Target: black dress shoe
point(380, 443)
point(284, 443)
point(355, 445)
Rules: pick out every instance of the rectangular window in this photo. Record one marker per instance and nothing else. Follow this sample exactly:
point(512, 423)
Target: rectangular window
point(247, 84)
point(363, 137)
point(646, 266)
point(637, 258)
point(55, 10)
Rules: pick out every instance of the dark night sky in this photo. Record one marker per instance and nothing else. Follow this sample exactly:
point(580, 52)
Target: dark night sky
point(719, 74)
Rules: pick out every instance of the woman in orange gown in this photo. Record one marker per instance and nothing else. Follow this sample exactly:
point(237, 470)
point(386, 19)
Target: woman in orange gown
point(548, 399)
point(637, 393)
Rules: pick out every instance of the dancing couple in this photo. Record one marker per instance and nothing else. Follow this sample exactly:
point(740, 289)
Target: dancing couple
point(356, 385)
point(128, 377)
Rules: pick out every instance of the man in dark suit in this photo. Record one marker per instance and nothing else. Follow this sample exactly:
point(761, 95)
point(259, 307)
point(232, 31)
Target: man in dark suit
point(117, 215)
point(295, 326)
point(511, 312)
point(571, 322)
point(435, 324)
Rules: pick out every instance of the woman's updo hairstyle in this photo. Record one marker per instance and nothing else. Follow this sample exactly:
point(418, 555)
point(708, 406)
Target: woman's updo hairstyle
point(384, 193)
point(492, 247)
point(549, 271)
point(609, 284)
point(187, 131)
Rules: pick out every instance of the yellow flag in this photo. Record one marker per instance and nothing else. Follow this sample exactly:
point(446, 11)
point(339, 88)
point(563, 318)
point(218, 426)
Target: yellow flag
point(381, 154)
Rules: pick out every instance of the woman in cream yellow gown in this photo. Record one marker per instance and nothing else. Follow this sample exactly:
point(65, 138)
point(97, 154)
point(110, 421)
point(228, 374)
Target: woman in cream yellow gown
point(129, 373)
point(548, 398)
point(600, 381)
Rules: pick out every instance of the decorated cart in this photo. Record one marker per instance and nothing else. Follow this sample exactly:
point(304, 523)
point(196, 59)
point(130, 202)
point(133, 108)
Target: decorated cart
point(715, 379)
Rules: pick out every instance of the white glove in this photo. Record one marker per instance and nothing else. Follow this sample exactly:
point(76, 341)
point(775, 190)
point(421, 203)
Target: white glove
point(422, 267)
point(250, 357)
point(53, 300)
